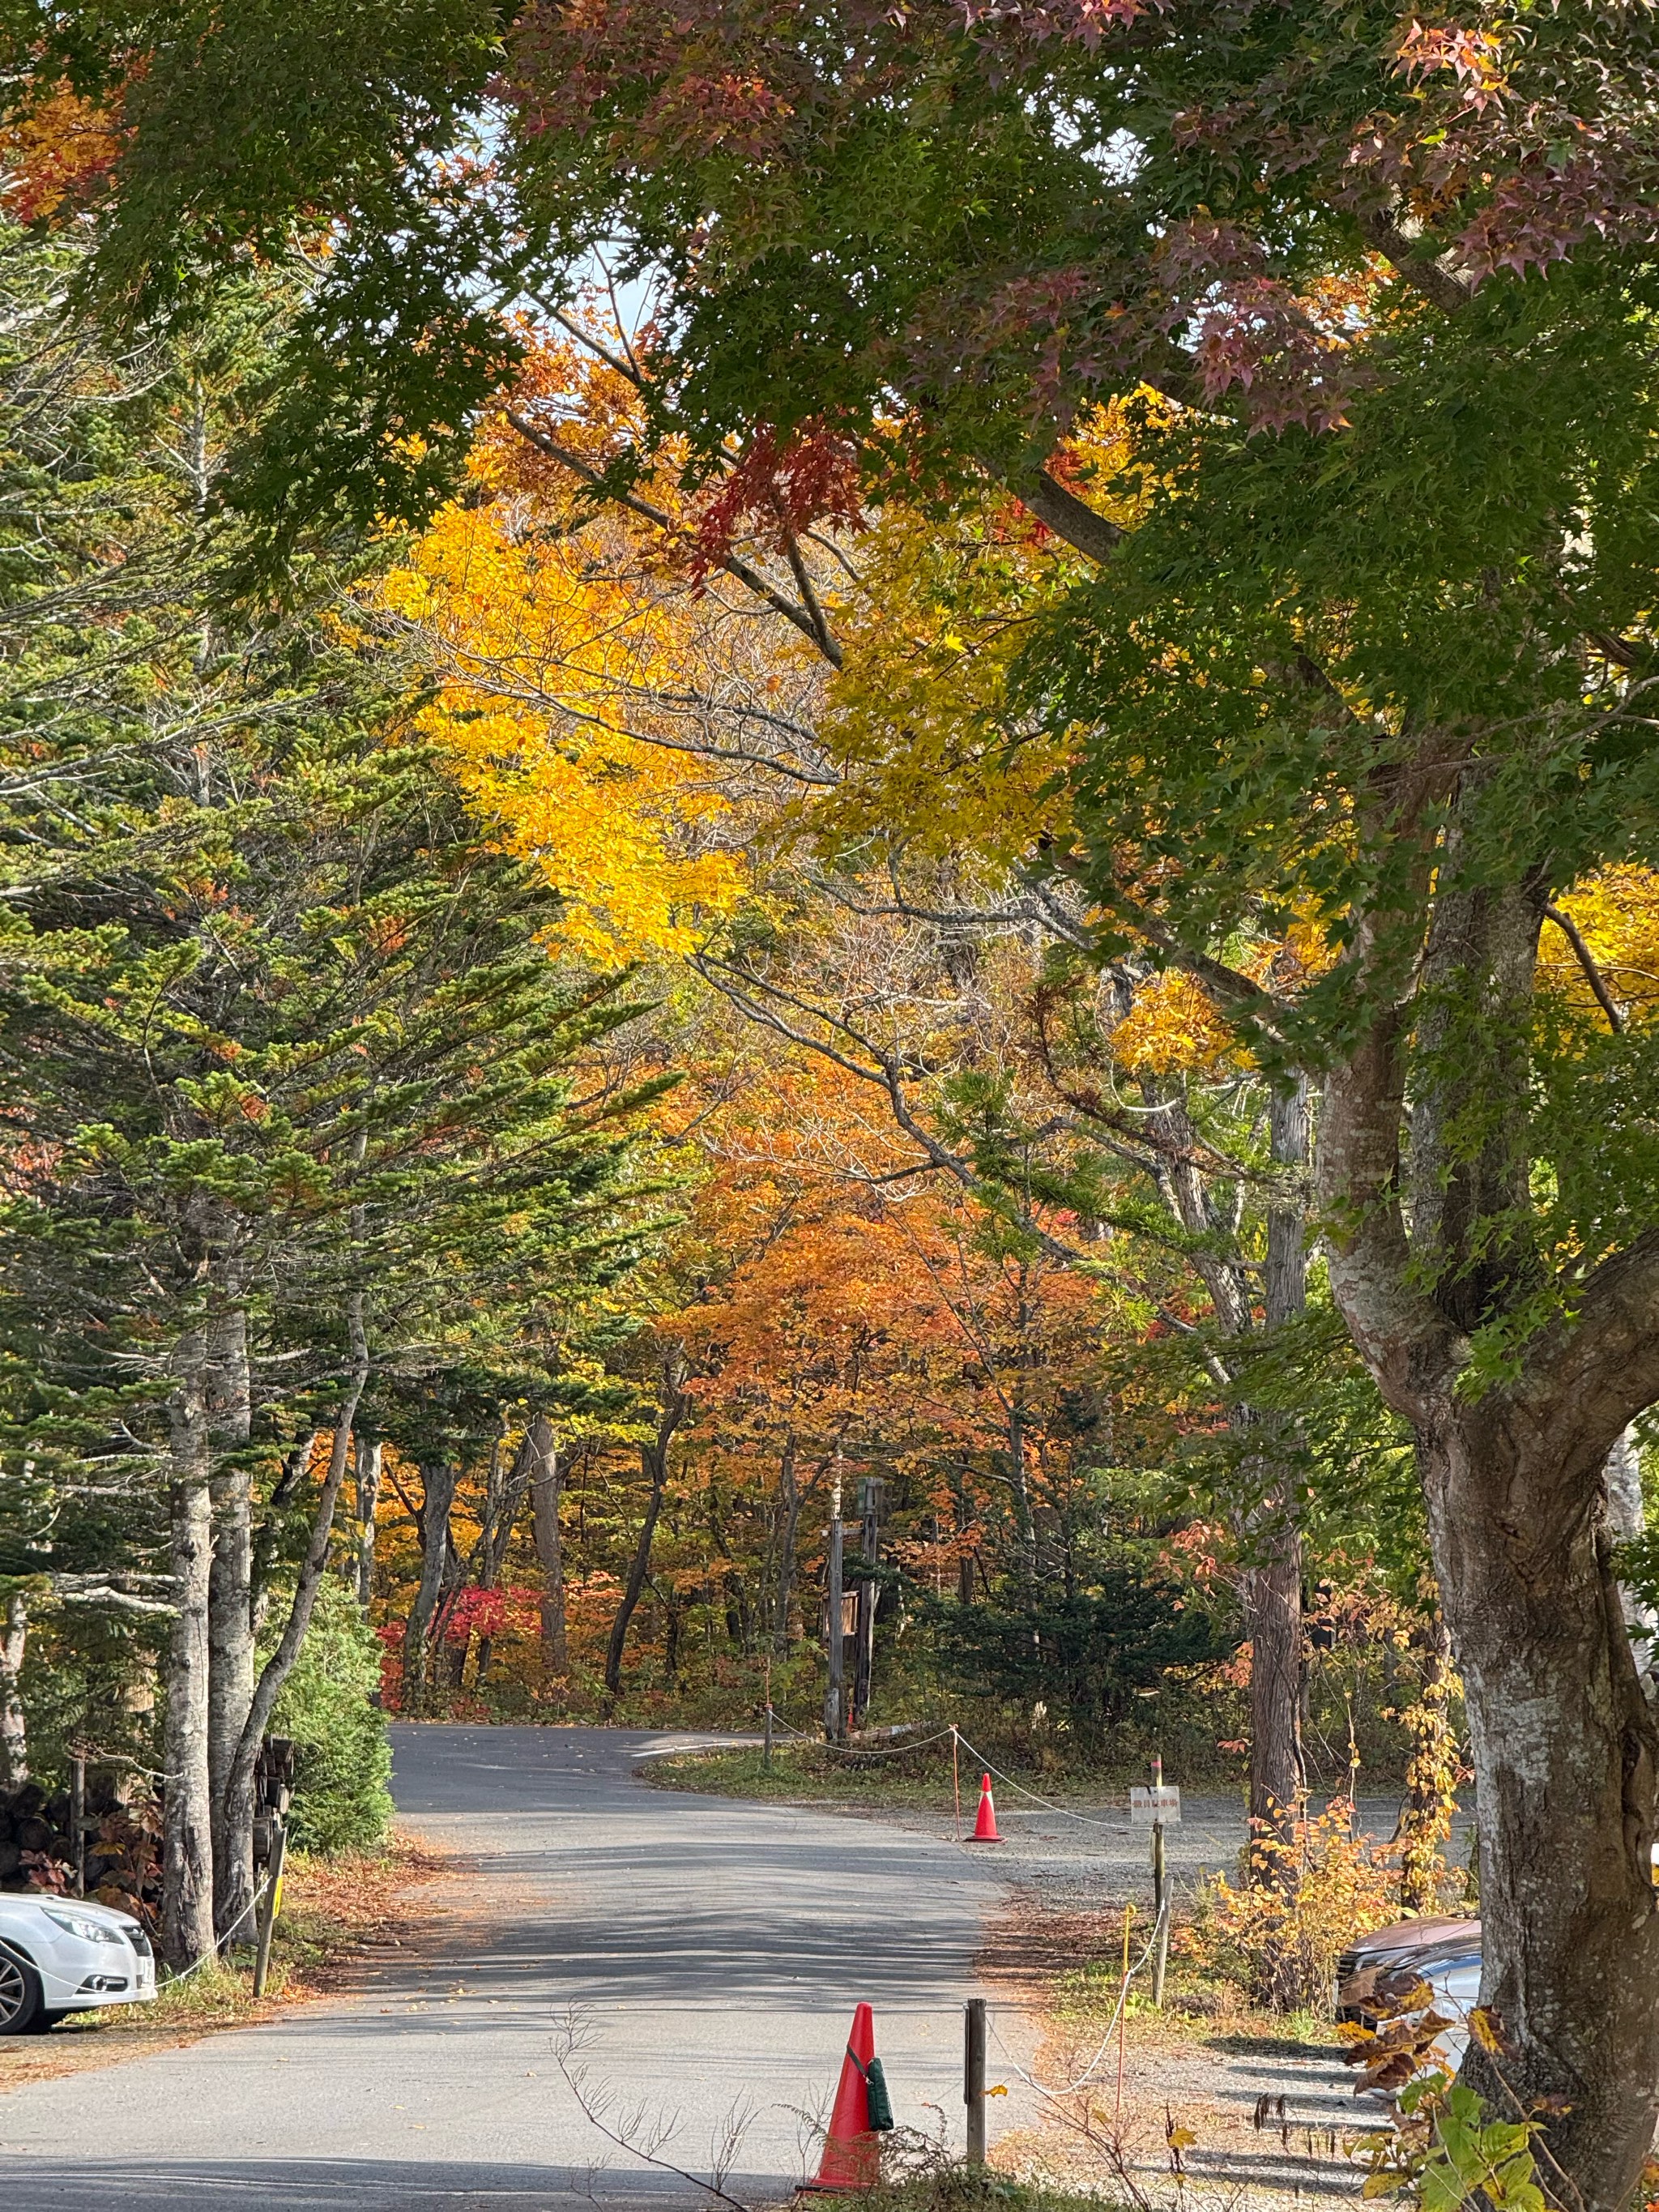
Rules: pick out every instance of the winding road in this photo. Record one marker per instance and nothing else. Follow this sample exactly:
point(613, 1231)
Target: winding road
point(709, 1952)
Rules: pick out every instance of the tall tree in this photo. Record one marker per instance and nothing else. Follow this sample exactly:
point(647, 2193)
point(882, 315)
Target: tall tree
point(287, 1063)
point(1376, 653)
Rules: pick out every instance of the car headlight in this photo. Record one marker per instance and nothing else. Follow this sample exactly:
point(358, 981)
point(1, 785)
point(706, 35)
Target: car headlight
point(81, 1926)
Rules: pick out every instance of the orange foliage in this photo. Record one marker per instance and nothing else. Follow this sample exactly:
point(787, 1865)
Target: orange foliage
point(50, 154)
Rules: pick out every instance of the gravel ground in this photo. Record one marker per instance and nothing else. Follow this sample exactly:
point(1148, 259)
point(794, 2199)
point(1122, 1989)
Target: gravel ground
point(1274, 2116)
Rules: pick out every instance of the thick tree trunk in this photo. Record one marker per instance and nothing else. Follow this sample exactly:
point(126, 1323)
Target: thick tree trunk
point(1565, 1758)
point(187, 1931)
point(230, 1607)
point(546, 1490)
point(1272, 1581)
point(673, 1406)
point(437, 1496)
point(369, 1456)
point(14, 1726)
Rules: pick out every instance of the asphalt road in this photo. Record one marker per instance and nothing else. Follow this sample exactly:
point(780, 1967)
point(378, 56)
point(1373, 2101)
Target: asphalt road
point(709, 1953)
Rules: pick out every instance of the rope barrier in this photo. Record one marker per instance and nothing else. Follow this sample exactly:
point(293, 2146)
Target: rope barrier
point(218, 1942)
point(1106, 1827)
point(1083, 2080)
point(861, 1750)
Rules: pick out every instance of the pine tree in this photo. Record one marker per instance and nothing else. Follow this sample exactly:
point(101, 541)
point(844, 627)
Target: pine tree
point(287, 1062)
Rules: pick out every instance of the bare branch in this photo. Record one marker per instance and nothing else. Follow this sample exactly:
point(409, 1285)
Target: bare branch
point(733, 563)
point(1569, 929)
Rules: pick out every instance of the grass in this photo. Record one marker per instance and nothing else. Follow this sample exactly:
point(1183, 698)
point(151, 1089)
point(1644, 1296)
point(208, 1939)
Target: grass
point(919, 1780)
point(951, 2186)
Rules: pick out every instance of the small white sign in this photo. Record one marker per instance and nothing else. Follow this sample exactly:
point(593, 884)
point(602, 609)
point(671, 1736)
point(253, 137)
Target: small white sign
point(1148, 1806)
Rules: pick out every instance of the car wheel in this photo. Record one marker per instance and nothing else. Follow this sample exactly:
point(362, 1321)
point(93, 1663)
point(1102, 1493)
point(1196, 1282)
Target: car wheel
point(20, 2007)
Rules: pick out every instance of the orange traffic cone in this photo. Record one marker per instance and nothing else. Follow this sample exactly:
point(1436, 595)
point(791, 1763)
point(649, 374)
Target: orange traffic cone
point(985, 1828)
point(852, 2157)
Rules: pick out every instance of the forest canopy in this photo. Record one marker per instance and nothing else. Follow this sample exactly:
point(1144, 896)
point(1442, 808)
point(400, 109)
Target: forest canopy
point(829, 858)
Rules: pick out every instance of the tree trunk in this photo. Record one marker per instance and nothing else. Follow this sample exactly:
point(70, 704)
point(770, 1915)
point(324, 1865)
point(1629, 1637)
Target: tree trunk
point(788, 1524)
point(1272, 1594)
point(268, 1537)
point(14, 1727)
point(239, 1791)
point(1564, 1760)
point(1627, 1519)
point(673, 1406)
point(230, 1605)
point(187, 1931)
point(1272, 1624)
point(437, 1496)
point(369, 1456)
point(546, 1488)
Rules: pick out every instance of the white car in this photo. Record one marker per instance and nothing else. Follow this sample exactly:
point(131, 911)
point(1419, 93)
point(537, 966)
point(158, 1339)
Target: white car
point(61, 1954)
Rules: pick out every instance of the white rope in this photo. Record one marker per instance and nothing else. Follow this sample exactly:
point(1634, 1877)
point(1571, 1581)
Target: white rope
point(1083, 2078)
point(217, 1944)
point(858, 1750)
point(1106, 1828)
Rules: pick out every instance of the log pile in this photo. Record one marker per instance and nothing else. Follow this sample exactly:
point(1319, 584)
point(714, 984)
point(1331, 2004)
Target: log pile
point(37, 1844)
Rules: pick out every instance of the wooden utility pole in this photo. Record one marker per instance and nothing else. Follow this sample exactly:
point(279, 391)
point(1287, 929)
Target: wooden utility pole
point(864, 1646)
point(834, 1710)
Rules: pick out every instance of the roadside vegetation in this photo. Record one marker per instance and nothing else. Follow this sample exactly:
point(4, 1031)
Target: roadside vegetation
point(829, 877)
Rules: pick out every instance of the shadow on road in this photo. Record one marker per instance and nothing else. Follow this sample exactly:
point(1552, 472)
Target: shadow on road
point(302, 2184)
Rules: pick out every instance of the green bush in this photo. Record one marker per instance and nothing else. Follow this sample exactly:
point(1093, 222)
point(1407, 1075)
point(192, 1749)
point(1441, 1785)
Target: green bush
point(343, 1761)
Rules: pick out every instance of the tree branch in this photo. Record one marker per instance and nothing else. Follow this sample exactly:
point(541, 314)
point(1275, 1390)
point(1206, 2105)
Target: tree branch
point(733, 563)
point(1069, 517)
point(1430, 277)
point(1569, 929)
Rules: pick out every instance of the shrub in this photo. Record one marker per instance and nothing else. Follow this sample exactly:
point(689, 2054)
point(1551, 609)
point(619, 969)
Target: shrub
point(343, 1760)
point(1281, 1934)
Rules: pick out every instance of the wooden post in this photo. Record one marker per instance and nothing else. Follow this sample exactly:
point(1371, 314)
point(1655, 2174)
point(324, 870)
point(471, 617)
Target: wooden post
point(270, 1903)
point(78, 1819)
point(835, 1709)
point(973, 2077)
point(864, 1646)
point(1160, 1891)
point(766, 1755)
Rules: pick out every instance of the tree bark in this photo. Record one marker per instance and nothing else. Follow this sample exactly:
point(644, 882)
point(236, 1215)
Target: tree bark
point(1272, 1597)
point(13, 1725)
point(1627, 1519)
point(437, 1496)
point(230, 1605)
point(788, 1524)
point(187, 1931)
point(546, 1490)
point(239, 1790)
point(369, 1457)
point(673, 1405)
point(1426, 1244)
point(1564, 1760)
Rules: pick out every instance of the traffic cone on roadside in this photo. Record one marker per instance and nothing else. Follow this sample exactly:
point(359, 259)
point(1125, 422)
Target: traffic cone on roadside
point(852, 2157)
point(985, 1827)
